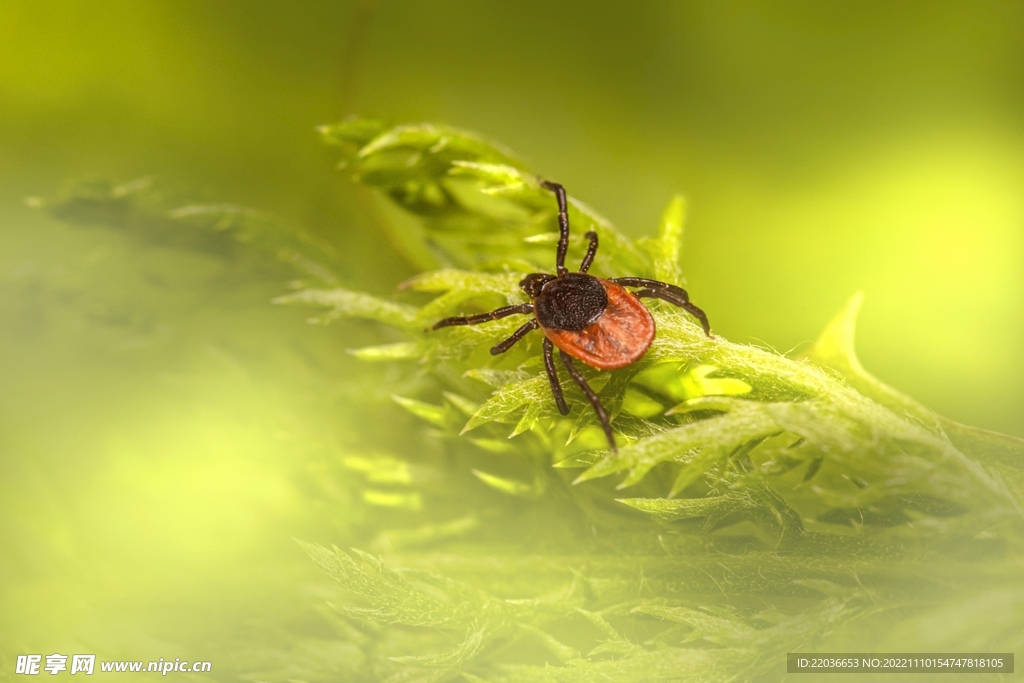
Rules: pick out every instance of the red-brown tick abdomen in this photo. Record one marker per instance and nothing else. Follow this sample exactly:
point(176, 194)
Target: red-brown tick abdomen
point(620, 337)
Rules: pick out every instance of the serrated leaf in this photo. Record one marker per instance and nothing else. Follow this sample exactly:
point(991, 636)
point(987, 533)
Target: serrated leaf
point(758, 503)
point(354, 133)
point(835, 349)
point(347, 304)
point(439, 141)
point(684, 508)
point(498, 378)
point(703, 442)
point(584, 459)
point(601, 623)
point(495, 179)
point(439, 416)
point(156, 212)
point(528, 420)
point(508, 400)
point(560, 650)
point(703, 623)
point(464, 405)
point(665, 248)
point(467, 650)
point(394, 597)
point(464, 281)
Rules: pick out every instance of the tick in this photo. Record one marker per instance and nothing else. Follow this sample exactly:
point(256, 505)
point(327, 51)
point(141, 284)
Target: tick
point(588, 318)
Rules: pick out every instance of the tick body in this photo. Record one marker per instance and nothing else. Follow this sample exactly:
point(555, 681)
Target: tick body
point(612, 329)
point(597, 321)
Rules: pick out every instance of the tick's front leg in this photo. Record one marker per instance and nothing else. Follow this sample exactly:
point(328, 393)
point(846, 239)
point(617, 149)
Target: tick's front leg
point(496, 314)
point(516, 336)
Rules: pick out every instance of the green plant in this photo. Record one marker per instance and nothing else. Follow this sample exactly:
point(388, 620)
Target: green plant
point(759, 504)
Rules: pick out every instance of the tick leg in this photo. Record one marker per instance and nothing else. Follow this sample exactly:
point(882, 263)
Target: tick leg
point(666, 292)
point(563, 224)
point(653, 284)
point(556, 387)
point(516, 336)
point(496, 314)
point(591, 251)
point(581, 382)
point(673, 299)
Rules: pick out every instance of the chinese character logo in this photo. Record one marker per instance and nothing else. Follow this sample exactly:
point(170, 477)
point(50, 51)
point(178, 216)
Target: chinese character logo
point(28, 664)
point(82, 663)
point(56, 663)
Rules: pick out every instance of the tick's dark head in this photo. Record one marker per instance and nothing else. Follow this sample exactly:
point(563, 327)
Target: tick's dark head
point(534, 282)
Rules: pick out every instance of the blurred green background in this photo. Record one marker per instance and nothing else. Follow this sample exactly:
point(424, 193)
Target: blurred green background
point(162, 427)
